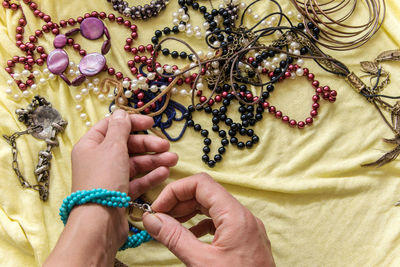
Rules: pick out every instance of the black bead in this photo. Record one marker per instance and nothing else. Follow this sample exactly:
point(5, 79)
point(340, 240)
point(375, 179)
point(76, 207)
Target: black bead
point(254, 64)
point(255, 139)
point(243, 131)
point(205, 158)
point(206, 149)
point(264, 54)
point(199, 106)
point(250, 132)
point(181, 2)
point(226, 102)
point(234, 126)
point(230, 96)
point(195, 5)
point(197, 127)
point(277, 71)
point(310, 25)
point(228, 121)
point(175, 29)
point(220, 37)
point(207, 141)
point(245, 123)
point(190, 123)
point(167, 30)
point(226, 87)
point(158, 33)
point(214, 12)
point(300, 26)
point(270, 88)
point(271, 53)
point(240, 145)
point(282, 64)
point(154, 40)
point(230, 38)
point(224, 142)
point(189, 2)
point(208, 109)
point(174, 54)
point(259, 59)
point(249, 144)
point(203, 9)
point(251, 74)
point(243, 117)
point(234, 140)
point(211, 163)
point(187, 115)
point(165, 51)
point(226, 22)
point(242, 109)
point(191, 108)
point(223, 117)
point(232, 132)
point(190, 57)
point(183, 55)
point(265, 95)
point(215, 128)
point(185, 9)
point(259, 116)
point(204, 133)
point(215, 112)
point(215, 120)
point(210, 18)
point(303, 50)
point(222, 109)
point(218, 89)
point(222, 133)
point(212, 39)
point(250, 108)
point(217, 157)
point(213, 24)
point(221, 150)
point(252, 122)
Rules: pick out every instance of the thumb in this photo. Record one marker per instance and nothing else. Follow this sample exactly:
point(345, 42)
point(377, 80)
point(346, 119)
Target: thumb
point(119, 127)
point(174, 236)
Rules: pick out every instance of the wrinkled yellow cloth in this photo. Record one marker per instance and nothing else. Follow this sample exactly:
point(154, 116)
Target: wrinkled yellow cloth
point(320, 208)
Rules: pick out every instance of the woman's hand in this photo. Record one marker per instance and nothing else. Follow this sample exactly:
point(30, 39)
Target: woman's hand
point(240, 238)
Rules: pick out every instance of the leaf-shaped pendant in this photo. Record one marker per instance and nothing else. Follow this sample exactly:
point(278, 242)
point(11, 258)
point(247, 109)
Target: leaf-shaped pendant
point(369, 67)
point(389, 56)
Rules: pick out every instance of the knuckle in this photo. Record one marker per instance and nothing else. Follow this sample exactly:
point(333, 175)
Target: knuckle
point(173, 238)
point(204, 175)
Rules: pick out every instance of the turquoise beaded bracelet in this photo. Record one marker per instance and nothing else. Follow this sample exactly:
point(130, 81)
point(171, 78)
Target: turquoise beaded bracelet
point(106, 198)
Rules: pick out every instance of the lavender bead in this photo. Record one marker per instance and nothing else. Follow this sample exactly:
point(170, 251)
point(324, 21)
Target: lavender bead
point(57, 61)
point(92, 64)
point(92, 28)
point(60, 41)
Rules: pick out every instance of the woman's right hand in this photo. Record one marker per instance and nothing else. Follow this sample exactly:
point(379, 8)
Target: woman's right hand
point(240, 238)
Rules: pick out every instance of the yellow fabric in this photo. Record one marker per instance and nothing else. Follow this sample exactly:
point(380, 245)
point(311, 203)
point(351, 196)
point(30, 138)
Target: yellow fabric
point(320, 208)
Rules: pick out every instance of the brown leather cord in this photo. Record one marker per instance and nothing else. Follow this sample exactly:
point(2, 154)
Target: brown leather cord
point(335, 34)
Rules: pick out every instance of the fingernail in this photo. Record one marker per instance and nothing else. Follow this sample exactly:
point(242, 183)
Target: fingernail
point(119, 114)
point(152, 224)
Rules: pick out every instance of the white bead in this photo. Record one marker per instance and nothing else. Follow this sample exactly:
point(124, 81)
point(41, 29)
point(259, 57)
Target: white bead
point(210, 54)
point(235, 2)
point(216, 44)
point(154, 88)
point(71, 64)
point(221, 6)
point(128, 93)
point(198, 35)
point(52, 76)
point(267, 65)
point(216, 71)
point(290, 14)
point(241, 64)
point(200, 86)
point(83, 116)
point(78, 98)
point(200, 53)
point(278, 34)
point(242, 5)
point(273, 19)
point(300, 62)
point(215, 64)
point(113, 108)
point(10, 82)
point(88, 124)
point(42, 80)
point(263, 23)
point(107, 115)
point(120, 100)
point(181, 27)
point(26, 73)
point(96, 81)
point(208, 33)
point(296, 52)
point(259, 69)
point(299, 17)
point(175, 15)
point(142, 79)
point(299, 72)
point(196, 29)
point(34, 87)
point(181, 11)
point(282, 56)
point(46, 71)
point(206, 25)
point(17, 76)
point(159, 70)
point(273, 67)
point(163, 87)
point(110, 96)
point(125, 84)
point(185, 18)
point(189, 33)
point(84, 91)
point(71, 72)
point(174, 90)
point(26, 93)
point(169, 69)
point(256, 17)
point(187, 74)
point(294, 45)
point(151, 76)
point(249, 10)
point(8, 91)
point(292, 75)
point(96, 90)
point(145, 86)
point(78, 107)
point(183, 92)
point(77, 73)
point(16, 97)
point(275, 60)
point(175, 22)
point(269, 23)
point(36, 73)
point(177, 72)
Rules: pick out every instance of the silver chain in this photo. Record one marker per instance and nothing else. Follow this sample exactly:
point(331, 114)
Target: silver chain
point(145, 207)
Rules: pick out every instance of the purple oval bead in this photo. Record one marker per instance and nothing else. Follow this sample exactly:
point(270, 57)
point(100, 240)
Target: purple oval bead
point(78, 80)
point(92, 28)
point(57, 61)
point(60, 41)
point(92, 64)
point(105, 47)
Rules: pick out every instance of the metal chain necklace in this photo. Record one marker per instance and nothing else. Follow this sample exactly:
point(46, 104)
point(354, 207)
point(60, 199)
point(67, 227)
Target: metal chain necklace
point(43, 122)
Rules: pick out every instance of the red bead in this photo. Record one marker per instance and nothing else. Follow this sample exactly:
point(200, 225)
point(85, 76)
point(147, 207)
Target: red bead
point(291, 67)
point(70, 41)
point(14, 7)
point(272, 109)
point(134, 28)
point(288, 74)
point(143, 59)
point(38, 33)
point(203, 99)
point(30, 61)
point(33, 5)
point(36, 13)
point(55, 31)
point(120, 20)
point(47, 18)
point(218, 98)
point(333, 93)
point(19, 37)
point(140, 104)
point(41, 15)
point(285, 119)
point(82, 52)
point(18, 43)
point(15, 58)
point(129, 41)
point(150, 69)
point(50, 24)
point(9, 70)
point(325, 95)
point(127, 23)
point(140, 96)
point(79, 19)
point(87, 15)
point(309, 121)
point(111, 71)
point(326, 88)
point(19, 30)
point(22, 59)
point(22, 86)
point(255, 99)
point(23, 47)
point(315, 106)
point(45, 28)
point(71, 21)
point(278, 114)
point(127, 48)
point(6, 4)
point(264, 71)
point(134, 35)
point(306, 71)
point(332, 99)
point(63, 23)
point(94, 14)
point(315, 98)
point(119, 75)
point(224, 94)
point(250, 60)
point(22, 22)
point(188, 80)
point(315, 84)
point(141, 48)
point(111, 17)
point(29, 82)
point(265, 105)
point(131, 63)
point(31, 47)
point(271, 74)
point(149, 48)
point(76, 46)
point(134, 70)
point(210, 102)
point(179, 82)
point(249, 96)
point(43, 56)
point(32, 38)
point(310, 76)
point(147, 110)
point(301, 124)
point(199, 93)
point(292, 123)
point(318, 90)
point(10, 63)
point(27, 2)
point(102, 15)
point(313, 113)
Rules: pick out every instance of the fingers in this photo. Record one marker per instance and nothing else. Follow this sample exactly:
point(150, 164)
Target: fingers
point(204, 227)
point(97, 133)
point(142, 143)
point(174, 236)
point(145, 163)
point(119, 127)
point(221, 205)
point(187, 207)
point(139, 186)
